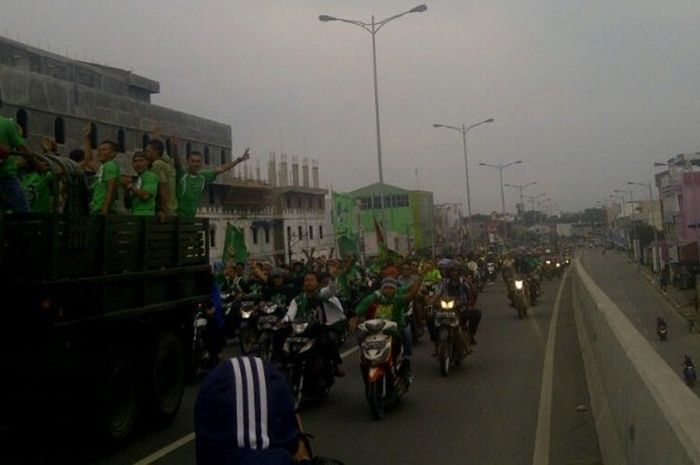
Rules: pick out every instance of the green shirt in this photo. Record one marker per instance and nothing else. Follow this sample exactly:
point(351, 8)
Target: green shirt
point(147, 181)
point(190, 188)
point(389, 309)
point(432, 277)
point(37, 190)
point(107, 172)
point(10, 136)
point(165, 173)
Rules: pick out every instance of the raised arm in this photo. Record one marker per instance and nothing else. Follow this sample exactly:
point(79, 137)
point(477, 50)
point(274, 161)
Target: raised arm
point(415, 288)
point(229, 166)
point(89, 161)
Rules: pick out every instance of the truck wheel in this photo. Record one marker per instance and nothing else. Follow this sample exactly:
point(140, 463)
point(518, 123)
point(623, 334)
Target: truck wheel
point(119, 395)
point(167, 375)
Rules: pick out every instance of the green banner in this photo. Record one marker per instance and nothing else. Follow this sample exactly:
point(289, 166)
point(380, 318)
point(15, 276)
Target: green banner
point(234, 246)
point(343, 214)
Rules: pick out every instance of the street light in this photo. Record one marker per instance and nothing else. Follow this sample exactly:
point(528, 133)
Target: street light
point(500, 168)
point(374, 27)
point(520, 187)
point(464, 130)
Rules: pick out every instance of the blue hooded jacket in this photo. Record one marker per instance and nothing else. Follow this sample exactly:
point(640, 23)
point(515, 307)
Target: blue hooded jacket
point(244, 415)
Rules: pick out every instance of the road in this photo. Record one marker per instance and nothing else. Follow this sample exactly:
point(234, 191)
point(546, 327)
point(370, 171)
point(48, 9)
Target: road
point(641, 302)
point(494, 409)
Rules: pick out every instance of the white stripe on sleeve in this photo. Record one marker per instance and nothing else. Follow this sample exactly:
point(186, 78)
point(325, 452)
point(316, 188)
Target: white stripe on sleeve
point(252, 436)
point(238, 386)
point(263, 402)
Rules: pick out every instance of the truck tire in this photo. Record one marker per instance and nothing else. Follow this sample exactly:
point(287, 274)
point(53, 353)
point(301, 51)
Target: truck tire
point(119, 396)
point(167, 377)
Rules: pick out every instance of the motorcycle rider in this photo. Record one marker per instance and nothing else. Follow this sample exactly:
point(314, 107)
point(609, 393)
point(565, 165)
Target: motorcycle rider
point(465, 295)
point(390, 303)
point(317, 303)
point(276, 290)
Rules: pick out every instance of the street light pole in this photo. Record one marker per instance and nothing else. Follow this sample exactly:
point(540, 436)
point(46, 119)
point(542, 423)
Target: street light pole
point(464, 130)
point(500, 168)
point(521, 187)
point(374, 27)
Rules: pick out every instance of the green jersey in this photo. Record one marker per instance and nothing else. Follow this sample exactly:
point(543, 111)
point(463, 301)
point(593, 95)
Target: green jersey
point(165, 172)
point(11, 137)
point(108, 171)
point(147, 181)
point(190, 188)
point(390, 309)
point(37, 190)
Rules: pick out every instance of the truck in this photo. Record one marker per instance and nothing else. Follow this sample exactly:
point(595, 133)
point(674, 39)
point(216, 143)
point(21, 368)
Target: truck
point(98, 311)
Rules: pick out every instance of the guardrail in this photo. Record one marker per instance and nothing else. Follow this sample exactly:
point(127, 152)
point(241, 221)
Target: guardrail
point(644, 412)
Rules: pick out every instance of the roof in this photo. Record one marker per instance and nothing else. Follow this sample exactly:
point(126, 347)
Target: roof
point(301, 190)
point(373, 189)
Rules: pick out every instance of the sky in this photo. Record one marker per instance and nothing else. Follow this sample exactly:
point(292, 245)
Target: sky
point(588, 94)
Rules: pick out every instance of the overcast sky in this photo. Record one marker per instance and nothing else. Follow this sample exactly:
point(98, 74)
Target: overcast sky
point(587, 93)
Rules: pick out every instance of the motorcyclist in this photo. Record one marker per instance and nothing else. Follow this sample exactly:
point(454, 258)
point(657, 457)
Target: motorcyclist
point(321, 304)
point(660, 323)
point(276, 290)
point(390, 303)
point(465, 295)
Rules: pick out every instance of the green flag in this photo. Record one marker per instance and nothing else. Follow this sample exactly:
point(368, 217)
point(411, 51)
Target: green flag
point(348, 245)
point(342, 214)
point(234, 246)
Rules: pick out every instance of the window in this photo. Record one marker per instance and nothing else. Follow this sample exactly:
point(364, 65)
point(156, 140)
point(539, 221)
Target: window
point(23, 122)
point(121, 141)
point(311, 232)
point(255, 235)
point(289, 234)
point(288, 201)
point(301, 232)
point(320, 232)
point(59, 131)
point(206, 155)
point(144, 141)
point(212, 236)
point(188, 148)
point(267, 235)
point(365, 203)
point(223, 156)
point(377, 203)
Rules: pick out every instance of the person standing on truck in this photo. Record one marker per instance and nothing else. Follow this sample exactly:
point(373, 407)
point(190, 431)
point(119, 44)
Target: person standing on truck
point(162, 166)
point(192, 179)
point(104, 188)
point(143, 189)
point(11, 194)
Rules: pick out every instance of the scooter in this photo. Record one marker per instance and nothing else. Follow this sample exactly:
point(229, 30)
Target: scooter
point(381, 367)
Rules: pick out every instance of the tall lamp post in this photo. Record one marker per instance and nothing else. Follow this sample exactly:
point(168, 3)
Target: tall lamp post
point(464, 130)
point(521, 187)
point(634, 225)
point(500, 168)
point(374, 27)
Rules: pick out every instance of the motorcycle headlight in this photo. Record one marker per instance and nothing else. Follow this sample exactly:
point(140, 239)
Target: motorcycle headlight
point(245, 314)
point(270, 309)
point(447, 304)
point(547, 262)
point(518, 284)
point(299, 328)
point(558, 265)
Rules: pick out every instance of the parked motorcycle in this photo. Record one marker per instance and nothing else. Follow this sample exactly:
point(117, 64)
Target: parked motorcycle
point(309, 370)
point(451, 349)
point(381, 367)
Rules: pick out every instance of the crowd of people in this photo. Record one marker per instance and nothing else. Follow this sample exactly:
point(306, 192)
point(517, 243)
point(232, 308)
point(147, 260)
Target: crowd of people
point(161, 184)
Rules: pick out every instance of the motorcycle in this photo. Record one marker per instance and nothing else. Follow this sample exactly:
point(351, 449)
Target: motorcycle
point(247, 317)
point(520, 300)
point(201, 358)
point(309, 371)
point(381, 372)
point(268, 343)
point(533, 284)
point(451, 349)
point(662, 331)
point(491, 271)
point(689, 373)
point(548, 270)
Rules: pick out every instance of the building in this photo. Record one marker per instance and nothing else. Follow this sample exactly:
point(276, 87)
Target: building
point(449, 228)
point(408, 214)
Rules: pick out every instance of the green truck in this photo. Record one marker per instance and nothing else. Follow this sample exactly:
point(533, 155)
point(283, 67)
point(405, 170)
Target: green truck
point(101, 311)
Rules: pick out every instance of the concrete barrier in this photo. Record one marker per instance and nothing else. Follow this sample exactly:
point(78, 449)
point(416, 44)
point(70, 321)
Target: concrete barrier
point(644, 412)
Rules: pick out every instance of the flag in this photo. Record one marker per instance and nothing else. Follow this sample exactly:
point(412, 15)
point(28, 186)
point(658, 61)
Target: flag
point(381, 242)
point(348, 246)
point(385, 253)
point(234, 245)
point(342, 214)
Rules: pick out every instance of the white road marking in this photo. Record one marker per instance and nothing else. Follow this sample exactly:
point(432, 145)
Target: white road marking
point(159, 454)
point(544, 414)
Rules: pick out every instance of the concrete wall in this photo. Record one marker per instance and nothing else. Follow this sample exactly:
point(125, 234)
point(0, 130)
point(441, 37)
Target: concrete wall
point(644, 412)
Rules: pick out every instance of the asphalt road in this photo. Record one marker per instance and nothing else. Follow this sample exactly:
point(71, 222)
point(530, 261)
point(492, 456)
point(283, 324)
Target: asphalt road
point(619, 278)
point(491, 410)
